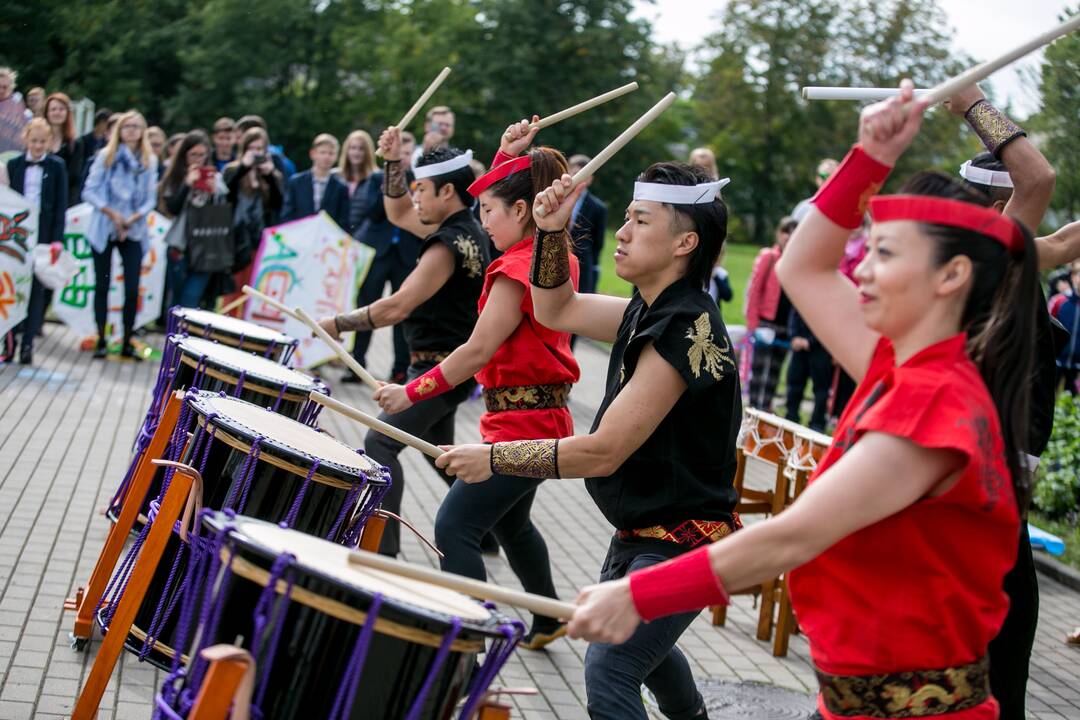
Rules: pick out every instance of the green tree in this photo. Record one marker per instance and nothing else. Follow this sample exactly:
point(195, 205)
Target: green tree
point(1059, 118)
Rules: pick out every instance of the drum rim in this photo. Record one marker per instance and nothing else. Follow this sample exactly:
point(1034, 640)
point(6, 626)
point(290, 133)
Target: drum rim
point(265, 383)
point(182, 313)
point(491, 626)
point(230, 426)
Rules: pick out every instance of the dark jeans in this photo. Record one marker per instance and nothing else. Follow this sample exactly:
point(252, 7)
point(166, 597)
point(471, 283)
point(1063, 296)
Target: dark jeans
point(35, 313)
point(816, 365)
point(1010, 651)
point(614, 673)
point(386, 269)
point(432, 420)
point(502, 506)
point(765, 364)
point(131, 259)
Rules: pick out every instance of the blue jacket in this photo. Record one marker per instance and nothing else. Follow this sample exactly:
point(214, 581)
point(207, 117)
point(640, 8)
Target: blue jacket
point(368, 223)
point(1069, 316)
point(125, 186)
point(54, 191)
point(300, 199)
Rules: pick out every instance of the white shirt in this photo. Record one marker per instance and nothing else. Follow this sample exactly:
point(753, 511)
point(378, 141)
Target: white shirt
point(32, 182)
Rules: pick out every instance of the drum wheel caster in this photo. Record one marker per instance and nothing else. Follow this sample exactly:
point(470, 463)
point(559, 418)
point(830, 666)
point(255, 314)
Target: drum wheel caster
point(78, 644)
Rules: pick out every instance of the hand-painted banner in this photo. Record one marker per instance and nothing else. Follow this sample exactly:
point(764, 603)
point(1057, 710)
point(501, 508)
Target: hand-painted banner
point(18, 235)
point(74, 304)
point(312, 264)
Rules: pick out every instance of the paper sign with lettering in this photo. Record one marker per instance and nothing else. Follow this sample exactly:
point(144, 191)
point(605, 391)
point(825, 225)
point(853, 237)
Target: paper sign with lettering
point(18, 235)
point(74, 304)
point(312, 264)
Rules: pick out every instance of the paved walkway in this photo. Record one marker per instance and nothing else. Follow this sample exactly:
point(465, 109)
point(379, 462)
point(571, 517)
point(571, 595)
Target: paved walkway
point(69, 426)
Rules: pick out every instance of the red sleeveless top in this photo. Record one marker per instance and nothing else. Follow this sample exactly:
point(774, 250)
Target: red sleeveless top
point(922, 589)
point(532, 355)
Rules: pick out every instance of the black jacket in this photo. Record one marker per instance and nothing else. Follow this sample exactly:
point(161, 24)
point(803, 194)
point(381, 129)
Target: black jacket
point(54, 194)
point(300, 199)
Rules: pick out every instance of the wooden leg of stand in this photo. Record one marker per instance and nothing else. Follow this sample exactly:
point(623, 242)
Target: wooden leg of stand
point(373, 532)
point(765, 617)
point(175, 498)
point(493, 711)
point(719, 615)
point(86, 601)
point(226, 688)
point(785, 621)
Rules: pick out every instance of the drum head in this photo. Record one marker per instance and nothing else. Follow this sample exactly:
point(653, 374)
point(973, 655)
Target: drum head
point(289, 437)
point(254, 367)
point(231, 326)
point(331, 561)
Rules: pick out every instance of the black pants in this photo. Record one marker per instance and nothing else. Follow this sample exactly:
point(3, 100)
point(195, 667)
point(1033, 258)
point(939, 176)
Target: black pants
point(845, 388)
point(131, 258)
point(614, 673)
point(501, 505)
point(392, 269)
point(1010, 651)
point(432, 420)
point(35, 313)
point(814, 364)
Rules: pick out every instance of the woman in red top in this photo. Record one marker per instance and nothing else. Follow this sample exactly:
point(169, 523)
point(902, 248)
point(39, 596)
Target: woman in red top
point(526, 370)
point(905, 533)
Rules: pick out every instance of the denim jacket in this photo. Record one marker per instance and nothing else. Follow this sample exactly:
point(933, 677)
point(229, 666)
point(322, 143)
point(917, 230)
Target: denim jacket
point(127, 187)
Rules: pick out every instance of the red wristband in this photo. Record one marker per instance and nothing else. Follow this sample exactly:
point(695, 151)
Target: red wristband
point(844, 196)
point(430, 384)
point(683, 584)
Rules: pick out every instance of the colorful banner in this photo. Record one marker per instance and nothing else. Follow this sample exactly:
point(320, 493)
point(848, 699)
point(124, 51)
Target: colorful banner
point(74, 305)
point(18, 235)
point(312, 264)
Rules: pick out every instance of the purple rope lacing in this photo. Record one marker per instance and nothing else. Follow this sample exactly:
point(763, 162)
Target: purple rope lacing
point(290, 349)
point(209, 619)
point(163, 611)
point(350, 680)
point(372, 501)
point(240, 383)
point(280, 397)
point(346, 508)
point(436, 665)
point(294, 509)
point(247, 471)
point(267, 607)
point(497, 655)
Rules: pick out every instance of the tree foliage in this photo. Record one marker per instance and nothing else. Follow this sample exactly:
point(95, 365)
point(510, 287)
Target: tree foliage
point(1060, 118)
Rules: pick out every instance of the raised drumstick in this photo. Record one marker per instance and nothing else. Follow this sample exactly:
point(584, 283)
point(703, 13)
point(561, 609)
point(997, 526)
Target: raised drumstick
point(345, 357)
point(233, 305)
point(853, 93)
point(281, 307)
point(947, 89)
point(408, 117)
point(376, 424)
point(474, 588)
point(583, 106)
point(617, 144)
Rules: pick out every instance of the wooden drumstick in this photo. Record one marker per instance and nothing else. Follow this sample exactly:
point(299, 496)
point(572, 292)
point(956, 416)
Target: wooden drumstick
point(233, 305)
point(617, 144)
point(583, 106)
point(282, 307)
point(947, 89)
point(474, 588)
point(408, 117)
point(376, 424)
point(853, 93)
point(345, 357)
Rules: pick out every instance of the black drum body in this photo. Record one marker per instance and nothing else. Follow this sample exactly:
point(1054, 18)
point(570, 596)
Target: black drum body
point(318, 652)
point(233, 332)
point(259, 463)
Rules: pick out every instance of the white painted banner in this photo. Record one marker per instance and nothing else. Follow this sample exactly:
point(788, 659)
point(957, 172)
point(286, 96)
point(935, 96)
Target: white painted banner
point(18, 235)
point(74, 305)
point(312, 264)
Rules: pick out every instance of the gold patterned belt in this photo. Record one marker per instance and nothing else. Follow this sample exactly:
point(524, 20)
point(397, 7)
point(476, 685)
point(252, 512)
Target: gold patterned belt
point(690, 533)
point(526, 397)
point(918, 693)
point(424, 356)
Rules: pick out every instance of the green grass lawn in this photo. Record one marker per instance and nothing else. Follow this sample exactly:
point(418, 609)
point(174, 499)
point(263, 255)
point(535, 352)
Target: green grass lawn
point(738, 259)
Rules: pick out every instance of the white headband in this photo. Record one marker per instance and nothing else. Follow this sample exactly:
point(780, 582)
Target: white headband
point(444, 167)
point(982, 176)
point(679, 194)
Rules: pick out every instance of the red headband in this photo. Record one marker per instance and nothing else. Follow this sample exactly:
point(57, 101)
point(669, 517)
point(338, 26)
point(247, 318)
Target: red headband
point(498, 173)
point(953, 213)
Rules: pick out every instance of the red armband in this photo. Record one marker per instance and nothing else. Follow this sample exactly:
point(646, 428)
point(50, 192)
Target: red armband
point(844, 196)
point(430, 384)
point(683, 584)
